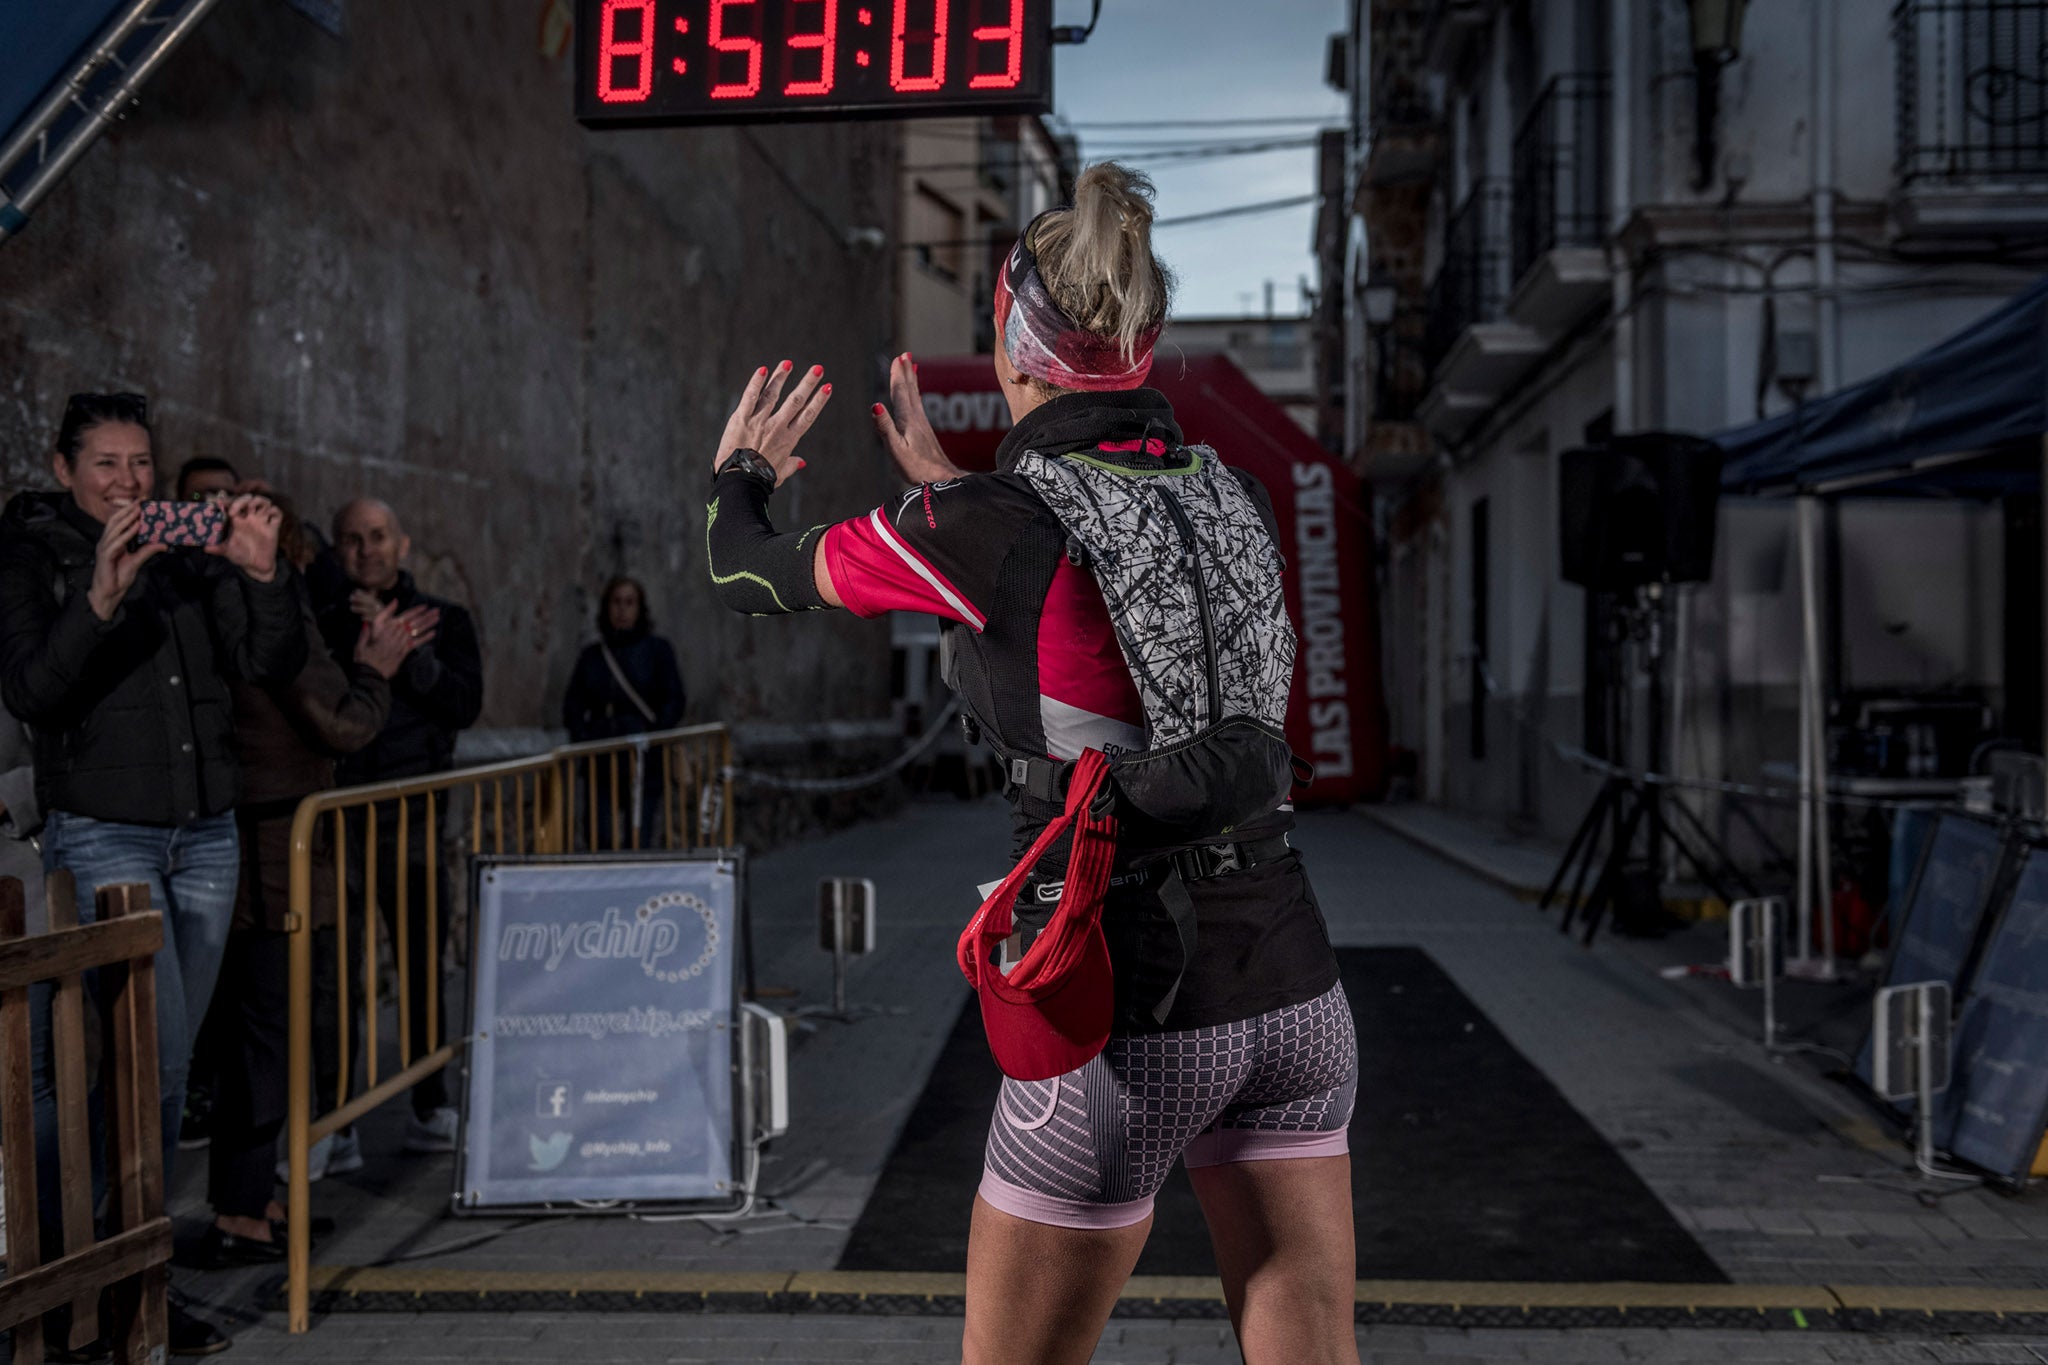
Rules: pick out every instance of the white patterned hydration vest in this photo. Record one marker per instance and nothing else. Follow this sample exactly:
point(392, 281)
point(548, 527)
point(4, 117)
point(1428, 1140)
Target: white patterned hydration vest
point(1192, 581)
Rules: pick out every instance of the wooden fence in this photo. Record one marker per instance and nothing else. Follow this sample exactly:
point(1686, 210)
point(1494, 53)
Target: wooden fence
point(132, 1260)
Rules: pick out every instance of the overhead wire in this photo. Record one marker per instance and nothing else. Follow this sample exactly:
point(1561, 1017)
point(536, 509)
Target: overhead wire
point(1189, 155)
point(1184, 220)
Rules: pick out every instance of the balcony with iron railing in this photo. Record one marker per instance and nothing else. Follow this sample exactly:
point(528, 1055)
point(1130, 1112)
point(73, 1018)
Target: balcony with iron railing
point(1471, 286)
point(1474, 351)
point(1972, 113)
point(1560, 170)
point(1557, 259)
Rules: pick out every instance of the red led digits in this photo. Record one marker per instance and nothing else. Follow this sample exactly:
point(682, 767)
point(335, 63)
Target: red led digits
point(611, 50)
point(900, 37)
point(721, 42)
point(825, 42)
point(1011, 34)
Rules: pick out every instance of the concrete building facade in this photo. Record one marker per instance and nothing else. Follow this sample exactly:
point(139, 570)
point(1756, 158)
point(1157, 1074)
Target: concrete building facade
point(1566, 221)
point(968, 187)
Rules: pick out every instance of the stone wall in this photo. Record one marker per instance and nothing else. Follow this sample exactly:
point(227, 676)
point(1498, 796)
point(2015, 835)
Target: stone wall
point(392, 263)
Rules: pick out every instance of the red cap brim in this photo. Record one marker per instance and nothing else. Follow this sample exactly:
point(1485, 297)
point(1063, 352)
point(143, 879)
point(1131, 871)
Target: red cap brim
point(1055, 1030)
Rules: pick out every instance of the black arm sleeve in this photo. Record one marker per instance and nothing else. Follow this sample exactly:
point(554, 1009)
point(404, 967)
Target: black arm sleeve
point(756, 570)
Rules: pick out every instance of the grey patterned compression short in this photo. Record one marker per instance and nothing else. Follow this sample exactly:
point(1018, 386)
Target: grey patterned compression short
point(1091, 1148)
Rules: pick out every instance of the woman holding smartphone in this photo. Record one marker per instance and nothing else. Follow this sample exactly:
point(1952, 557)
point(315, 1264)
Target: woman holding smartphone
point(1155, 978)
point(117, 654)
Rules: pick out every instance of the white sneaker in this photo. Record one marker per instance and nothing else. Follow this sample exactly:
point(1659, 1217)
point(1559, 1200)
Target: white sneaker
point(336, 1154)
point(317, 1157)
point(434, 1133)
point(346, 1157)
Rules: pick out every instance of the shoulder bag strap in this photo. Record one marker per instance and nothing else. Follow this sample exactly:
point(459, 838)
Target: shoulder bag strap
point(611, 661)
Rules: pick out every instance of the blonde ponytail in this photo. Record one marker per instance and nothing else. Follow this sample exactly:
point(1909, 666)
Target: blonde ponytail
point(1096, 258)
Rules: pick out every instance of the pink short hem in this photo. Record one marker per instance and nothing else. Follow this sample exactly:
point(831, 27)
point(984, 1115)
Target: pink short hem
point(1034, 1207)
point(1222, 1146)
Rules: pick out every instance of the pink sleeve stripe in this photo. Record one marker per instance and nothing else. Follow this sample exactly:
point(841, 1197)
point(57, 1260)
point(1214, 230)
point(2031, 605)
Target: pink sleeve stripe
point(874, 572)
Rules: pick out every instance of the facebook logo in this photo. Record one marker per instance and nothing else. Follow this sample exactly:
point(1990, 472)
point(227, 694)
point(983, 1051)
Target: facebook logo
point(552, 1101)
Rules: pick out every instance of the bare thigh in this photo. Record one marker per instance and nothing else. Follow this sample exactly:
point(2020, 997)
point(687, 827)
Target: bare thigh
point(1284, 1244)
point(1039, 1294)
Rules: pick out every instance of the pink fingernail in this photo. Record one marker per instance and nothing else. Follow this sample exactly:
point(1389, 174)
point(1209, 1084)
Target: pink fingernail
point(783, 366)
point(878, 409)
point(828, 388)
point(817, 370)
point(758, 373)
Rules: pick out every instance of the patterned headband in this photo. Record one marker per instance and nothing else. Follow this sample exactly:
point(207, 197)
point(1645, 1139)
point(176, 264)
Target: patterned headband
point(1043, 342)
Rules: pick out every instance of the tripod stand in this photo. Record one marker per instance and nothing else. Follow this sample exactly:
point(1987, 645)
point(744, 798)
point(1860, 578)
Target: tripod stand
point(1626, 803)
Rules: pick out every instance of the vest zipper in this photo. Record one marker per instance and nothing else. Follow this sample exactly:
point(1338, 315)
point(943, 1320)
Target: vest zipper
point(1192, 564)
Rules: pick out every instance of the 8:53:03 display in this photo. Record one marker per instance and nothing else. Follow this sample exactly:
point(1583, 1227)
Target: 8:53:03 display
point(731, 61)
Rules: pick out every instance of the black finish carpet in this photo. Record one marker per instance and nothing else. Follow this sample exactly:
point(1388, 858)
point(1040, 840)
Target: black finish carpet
point(1467, 1164)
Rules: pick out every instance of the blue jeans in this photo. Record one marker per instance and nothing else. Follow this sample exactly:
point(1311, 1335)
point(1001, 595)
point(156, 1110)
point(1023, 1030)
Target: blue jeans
point(191, 872)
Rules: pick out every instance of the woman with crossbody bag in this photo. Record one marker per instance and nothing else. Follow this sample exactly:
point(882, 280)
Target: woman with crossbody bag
point(625, 683)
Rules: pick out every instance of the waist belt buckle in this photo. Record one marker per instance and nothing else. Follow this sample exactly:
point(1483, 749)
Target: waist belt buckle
point(1228, 858)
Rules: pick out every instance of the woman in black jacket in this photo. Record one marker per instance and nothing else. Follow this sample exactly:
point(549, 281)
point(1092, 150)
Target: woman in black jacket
point(627, 683)
point(117, 654)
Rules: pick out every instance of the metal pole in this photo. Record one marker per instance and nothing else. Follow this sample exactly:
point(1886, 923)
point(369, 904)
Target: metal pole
point(1923, 1055)
point(1768, 912)
point(639, 786)
point(97, 119)
point(839, 929)
point(1823, 851)
point(298, 1234)
point(51, 107)
point(1808, 513)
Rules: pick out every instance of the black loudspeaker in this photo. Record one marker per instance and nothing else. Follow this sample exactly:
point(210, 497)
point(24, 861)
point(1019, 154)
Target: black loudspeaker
point(1640, 509)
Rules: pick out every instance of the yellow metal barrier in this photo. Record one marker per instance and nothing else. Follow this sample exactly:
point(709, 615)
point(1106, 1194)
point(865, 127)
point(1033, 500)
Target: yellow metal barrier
point(667, 790)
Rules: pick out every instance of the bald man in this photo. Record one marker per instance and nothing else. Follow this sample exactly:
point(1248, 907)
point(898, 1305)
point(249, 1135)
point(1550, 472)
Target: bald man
point(436, 695)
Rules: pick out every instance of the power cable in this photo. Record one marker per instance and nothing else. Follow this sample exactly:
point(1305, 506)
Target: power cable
point(1185, 220)
point(1190, 154)
point(1237, 211)
point(858, 780)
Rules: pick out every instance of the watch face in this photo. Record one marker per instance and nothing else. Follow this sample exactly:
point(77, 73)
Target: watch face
point(750, 462)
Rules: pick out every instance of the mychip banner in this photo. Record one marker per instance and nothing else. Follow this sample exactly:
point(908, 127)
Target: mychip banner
point(602, 1020)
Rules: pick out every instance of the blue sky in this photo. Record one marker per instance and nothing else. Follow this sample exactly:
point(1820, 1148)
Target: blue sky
point(1211, 59)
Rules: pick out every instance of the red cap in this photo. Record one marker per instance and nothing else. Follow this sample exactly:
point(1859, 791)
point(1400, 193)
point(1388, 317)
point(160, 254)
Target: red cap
point(1051, 1012)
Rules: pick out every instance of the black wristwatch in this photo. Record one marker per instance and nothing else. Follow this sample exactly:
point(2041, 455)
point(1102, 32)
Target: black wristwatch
point(751, 463)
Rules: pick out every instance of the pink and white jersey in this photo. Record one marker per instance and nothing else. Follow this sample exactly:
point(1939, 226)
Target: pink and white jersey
point(983, 551)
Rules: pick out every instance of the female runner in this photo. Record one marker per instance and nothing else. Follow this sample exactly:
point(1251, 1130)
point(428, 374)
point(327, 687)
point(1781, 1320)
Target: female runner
point(1229, 1044)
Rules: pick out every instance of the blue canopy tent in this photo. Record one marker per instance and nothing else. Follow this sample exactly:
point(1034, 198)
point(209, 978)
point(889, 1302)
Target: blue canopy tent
point(1968, 417)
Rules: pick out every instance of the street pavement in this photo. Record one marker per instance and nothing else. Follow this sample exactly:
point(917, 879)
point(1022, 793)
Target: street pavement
point(1779, 1173)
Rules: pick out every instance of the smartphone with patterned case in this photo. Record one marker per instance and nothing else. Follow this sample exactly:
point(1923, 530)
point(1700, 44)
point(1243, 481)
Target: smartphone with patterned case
point(182, 523)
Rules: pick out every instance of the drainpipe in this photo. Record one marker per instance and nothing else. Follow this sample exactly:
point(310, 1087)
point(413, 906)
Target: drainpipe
point(1621, 97)
point(1827, 320)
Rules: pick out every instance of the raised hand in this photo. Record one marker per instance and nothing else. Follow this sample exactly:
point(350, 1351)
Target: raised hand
point(767, 422)
point(384, 643)
point(907, 431)
point(117, 560)
point(419, 624)
point(251, 543)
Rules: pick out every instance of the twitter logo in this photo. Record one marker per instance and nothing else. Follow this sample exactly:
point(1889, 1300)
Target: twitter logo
point(551, 1153)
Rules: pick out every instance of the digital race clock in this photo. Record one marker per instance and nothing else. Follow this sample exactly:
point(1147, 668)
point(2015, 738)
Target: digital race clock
point(733, 61)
